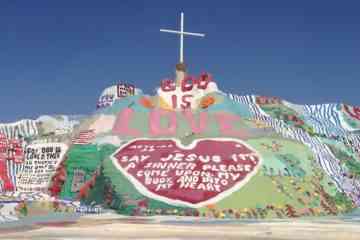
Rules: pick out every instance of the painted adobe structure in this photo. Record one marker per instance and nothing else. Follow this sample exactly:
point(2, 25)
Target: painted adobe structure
point(189, 150)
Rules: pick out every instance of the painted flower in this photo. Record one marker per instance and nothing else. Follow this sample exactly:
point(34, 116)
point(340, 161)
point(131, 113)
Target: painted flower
point(146, 102)
point(207, 101)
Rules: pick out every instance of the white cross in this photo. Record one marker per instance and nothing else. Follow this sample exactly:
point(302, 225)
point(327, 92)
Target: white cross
point(182, 33)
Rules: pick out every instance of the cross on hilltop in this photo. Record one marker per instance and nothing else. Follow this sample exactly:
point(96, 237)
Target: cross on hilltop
point(182, 34)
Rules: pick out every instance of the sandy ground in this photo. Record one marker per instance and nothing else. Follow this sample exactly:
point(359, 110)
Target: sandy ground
point(107, 227)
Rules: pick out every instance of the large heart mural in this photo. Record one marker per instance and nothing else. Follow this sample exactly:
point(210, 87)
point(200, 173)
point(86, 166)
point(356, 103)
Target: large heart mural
point(196, 175)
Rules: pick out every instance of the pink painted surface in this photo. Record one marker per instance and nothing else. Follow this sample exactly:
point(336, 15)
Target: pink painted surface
point(103, 124)
point(225, 121)
point(121, 126)
point(197, 126)
point(154, 124)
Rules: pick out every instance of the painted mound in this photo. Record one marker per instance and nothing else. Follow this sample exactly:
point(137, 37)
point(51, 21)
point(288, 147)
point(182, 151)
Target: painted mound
point(190, 150)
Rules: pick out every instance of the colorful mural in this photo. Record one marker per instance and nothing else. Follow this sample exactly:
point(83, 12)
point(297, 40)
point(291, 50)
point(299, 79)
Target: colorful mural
point(189, 150)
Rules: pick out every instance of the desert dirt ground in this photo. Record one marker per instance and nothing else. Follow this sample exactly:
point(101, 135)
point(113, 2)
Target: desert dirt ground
point(141, 229)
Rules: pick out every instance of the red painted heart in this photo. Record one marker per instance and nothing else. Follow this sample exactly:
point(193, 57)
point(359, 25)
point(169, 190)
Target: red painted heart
point(196, 175)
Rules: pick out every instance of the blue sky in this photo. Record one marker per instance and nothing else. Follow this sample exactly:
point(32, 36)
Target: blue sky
point(57, 56)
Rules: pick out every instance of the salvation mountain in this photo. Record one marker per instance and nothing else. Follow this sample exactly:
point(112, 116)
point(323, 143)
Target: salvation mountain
point(190, 150)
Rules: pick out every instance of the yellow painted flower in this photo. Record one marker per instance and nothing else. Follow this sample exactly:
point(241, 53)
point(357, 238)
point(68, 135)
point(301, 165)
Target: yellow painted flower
point(260, 124)
point(317, 210)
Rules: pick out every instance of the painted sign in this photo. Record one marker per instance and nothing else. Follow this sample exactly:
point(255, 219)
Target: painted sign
point(109, 95)
point(41, 161)
point(196, 175)
point(105, 101)
point(124, 90)
point(226, 123)
point(188, 95)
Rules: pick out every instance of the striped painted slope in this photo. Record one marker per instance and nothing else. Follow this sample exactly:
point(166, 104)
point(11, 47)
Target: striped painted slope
point(325, 119)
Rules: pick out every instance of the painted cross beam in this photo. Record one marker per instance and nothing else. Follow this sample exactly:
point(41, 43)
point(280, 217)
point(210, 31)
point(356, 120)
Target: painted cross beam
point(182, 34)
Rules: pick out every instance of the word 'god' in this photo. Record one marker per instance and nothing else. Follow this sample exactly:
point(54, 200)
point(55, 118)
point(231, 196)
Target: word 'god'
point(188, 93)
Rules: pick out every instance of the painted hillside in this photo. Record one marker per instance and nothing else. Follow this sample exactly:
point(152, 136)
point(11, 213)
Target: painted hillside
point(189, 150)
